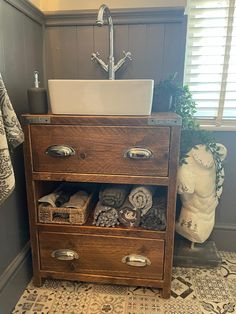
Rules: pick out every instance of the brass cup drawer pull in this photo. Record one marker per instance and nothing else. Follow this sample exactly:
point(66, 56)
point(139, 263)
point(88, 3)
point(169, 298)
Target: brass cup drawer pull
point(136, 260)
point(60, 151)
point(65, 255)
point(138, 153)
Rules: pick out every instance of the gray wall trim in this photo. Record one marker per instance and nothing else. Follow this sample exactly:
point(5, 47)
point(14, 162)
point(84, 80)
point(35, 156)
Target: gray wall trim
point(121, 16)
point(224, 226)
point(28, 9)
point(224, 235)
point(14, 265)
point(17, 278)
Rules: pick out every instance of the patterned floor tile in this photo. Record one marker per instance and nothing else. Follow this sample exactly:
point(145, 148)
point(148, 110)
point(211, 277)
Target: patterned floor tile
point(142, 304)
point(217, 308)
point(61, 285)
point(228, 268)
point(180, 307)
point(227, 255)
point(181, 288)
point(211, 288)
point(110, 289)
point(181, 285)
point(186, 273)
point(35, 302)
point(215, 271)
point(70, 286)
point(231, 283)
point(106, 304)
point(143, 291)
point(70, 303)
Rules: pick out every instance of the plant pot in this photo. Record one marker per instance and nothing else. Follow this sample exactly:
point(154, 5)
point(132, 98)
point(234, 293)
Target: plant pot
point(162, 102)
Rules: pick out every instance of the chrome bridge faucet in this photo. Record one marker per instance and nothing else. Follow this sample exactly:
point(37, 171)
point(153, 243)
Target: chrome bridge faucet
point(111, 67)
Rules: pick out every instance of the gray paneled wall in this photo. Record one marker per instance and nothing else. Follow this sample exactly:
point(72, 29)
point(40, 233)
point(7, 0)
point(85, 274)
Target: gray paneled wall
point(228, 199)
point(157, 49)
point(21, 45)
point(225, 228)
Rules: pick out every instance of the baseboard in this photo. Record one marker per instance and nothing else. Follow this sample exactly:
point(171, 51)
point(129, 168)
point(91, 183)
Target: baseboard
point(224, 236)
point(14, 280)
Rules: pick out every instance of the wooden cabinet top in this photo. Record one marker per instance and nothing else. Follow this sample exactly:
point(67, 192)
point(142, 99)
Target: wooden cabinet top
point(160, 119)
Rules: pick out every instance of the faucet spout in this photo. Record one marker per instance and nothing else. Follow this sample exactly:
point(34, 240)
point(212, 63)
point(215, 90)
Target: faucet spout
point(100, 22)
point(111, 68)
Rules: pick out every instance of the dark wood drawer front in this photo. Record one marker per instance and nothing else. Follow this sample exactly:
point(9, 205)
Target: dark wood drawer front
point(102, 150)
point(100, 255)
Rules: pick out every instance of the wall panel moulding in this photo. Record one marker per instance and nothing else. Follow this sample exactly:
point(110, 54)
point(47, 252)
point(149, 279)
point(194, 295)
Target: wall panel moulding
point(120, 16)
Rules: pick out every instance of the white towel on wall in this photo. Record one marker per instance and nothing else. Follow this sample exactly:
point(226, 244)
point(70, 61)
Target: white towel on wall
point(11, 136)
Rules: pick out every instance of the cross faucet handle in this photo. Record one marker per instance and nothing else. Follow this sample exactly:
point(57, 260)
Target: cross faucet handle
point(128, 55)
point(94, 56)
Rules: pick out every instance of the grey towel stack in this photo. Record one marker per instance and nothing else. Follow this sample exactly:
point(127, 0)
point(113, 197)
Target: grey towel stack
point(113, 195)
point(142, 206)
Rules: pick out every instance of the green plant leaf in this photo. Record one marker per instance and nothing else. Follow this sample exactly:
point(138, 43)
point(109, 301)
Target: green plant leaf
point(183, 104)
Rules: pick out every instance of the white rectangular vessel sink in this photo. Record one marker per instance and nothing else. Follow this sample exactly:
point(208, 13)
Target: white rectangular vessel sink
point(101, 97)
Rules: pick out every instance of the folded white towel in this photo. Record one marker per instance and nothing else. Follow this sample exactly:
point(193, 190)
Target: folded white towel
point(11, 136)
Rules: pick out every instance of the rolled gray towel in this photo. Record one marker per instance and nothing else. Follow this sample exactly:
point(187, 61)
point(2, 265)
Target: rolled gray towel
point(113, 195)
point(141, 198)
point(105, 216)
point(155, 219)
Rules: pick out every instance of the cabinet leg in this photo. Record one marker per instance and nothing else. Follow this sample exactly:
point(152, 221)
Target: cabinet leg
point(37, 281)
point(166, 293)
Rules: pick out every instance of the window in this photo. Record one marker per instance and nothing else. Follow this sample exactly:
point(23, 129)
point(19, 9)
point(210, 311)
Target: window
point(210, 61)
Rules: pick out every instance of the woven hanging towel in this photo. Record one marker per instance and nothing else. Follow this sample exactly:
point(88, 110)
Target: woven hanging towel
point(11, 136)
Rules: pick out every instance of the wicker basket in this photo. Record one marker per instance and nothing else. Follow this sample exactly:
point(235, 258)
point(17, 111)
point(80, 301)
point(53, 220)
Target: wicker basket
point(65, 215)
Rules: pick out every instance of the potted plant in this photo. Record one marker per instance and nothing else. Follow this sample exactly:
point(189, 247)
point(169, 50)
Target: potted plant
point(201, 172)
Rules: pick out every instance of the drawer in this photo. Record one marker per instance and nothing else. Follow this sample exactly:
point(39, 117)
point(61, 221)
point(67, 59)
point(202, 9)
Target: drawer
point(102, 150)
point(103, 255)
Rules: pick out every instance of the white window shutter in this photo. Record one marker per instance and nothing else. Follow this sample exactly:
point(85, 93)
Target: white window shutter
point(210, 62)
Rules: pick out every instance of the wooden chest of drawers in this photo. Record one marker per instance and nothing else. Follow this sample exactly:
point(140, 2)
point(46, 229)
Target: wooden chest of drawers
point(128, 149)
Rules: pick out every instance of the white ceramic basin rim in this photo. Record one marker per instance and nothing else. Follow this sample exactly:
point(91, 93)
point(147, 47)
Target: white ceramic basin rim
point(101, 97)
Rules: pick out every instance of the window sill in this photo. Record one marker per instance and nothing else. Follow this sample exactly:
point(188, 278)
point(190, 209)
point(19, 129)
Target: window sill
point(227, 125)
point(222, 128)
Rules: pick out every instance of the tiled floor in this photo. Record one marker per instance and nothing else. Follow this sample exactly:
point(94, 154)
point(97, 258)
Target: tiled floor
point(194, 291)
